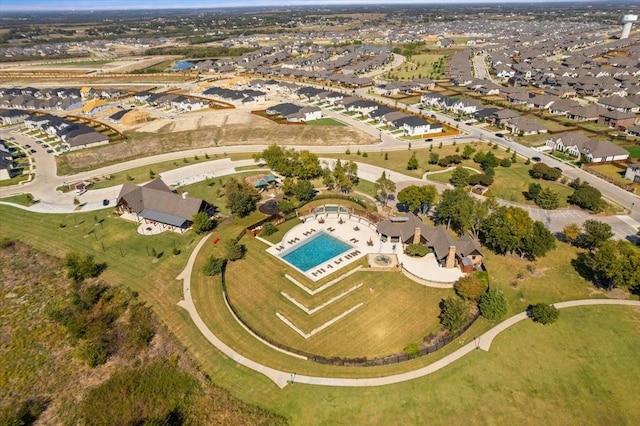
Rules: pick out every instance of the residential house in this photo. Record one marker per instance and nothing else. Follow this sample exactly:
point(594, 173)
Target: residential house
point(616, 119)
point(577, 144)
point(525, 126)
point(464, 253)
point(416, 126)
point(633, 172)
point(155, 202)
point(633, 131)
point(618, 103)
point(12, 116)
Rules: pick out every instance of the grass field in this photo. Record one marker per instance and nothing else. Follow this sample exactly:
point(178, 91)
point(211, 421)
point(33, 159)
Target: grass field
point(634, 151)
point(22, 199)
point(418, 66)
point(611, 171)
point(582, 367)
point(86, 63)
point(327, 121)
point(378, 328)
point(14, 180)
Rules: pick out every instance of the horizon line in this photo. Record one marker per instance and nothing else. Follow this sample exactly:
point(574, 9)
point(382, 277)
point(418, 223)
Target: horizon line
point(62, 7)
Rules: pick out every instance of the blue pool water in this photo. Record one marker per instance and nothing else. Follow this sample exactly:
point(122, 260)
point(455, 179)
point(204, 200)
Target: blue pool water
point(314, 251)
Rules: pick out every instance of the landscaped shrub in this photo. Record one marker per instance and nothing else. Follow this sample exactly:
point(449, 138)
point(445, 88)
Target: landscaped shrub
point(470, 287)
point(213, 266)
point(416, 250)
point(269, 229)
point(542, 171)
point(482, 179)
point(543, 313)
point(453, 313)
point(412, 351)
point(493, 304)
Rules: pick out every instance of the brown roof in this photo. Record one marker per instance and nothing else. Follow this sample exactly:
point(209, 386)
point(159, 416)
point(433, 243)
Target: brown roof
point(440, 239)
point(403, 227)
point(158, 197)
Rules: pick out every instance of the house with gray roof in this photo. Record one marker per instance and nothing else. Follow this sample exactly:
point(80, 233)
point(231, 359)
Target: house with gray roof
point(464, 253)
point(577, 144)
point(633, 172)
point(156, 202)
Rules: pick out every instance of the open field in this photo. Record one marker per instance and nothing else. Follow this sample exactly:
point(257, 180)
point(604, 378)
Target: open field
point(378, 328)
point(582, 336)
point(611, 171)
point(325, 122)
point(418, 66)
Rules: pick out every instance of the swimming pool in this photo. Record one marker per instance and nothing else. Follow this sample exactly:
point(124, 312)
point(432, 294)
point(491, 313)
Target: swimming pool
point(314, 251)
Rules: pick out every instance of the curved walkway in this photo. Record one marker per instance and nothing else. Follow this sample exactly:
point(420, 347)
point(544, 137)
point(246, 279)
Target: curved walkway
point(282, 378)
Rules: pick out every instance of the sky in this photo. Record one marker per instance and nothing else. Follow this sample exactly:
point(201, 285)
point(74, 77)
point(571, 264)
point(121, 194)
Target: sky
point(58, 5)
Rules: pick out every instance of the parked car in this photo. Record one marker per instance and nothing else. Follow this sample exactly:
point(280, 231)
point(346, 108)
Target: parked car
point(500, 135)
point(49, 151)
point(429, 140)
point(27, 146)
point(536, 159)
point(105, 202)
point(33, 151)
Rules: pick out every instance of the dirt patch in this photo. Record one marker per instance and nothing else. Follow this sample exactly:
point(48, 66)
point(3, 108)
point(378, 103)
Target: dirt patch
point(218, 128)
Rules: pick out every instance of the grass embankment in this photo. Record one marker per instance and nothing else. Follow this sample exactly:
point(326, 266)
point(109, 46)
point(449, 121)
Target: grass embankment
point(42, 374)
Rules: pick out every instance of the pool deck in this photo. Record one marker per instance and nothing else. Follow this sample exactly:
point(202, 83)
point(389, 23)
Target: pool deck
point(357, 232)
point(354, 232)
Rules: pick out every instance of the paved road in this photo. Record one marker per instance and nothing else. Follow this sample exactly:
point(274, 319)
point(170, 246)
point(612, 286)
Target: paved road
point(283, 378)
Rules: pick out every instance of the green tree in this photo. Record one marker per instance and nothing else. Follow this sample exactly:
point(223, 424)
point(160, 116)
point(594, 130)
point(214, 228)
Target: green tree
point(454, 313)
point(304, 190)
point(327, 179)
point(80, 267)
point(418, 198)
point(595, 233)
point(384, 188)
point(241, 198)
point(543, 313)
point(412, 164)
point(468, 152)
point(286, 206)
point(493, 304)
point(434, 157)
point(213, 266)
point(460, 177)
point(616, 264)
point(542, 171)
point(234, 250)
point(412, 351)
point(269, 229)
point(307, 166)
point(571, 233)
point(470, 287)
point(534, 190)
point(479, 157)
point(587, 197)
point(547, 199)
point(456, 209)
point(506, 229)
point(539, 242)
point(202, 223)
point(490, 161)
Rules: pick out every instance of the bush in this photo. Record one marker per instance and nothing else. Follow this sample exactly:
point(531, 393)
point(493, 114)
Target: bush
point(203, 223)
point(453, 314)
point(79, 268)
point(482, 179)
point(505, 162)
point(542, 171)
point(416, 250)
point(213, 266)
point(470, 287)
point(412, 351)
point(269, 229)
point(235, 250)
point(543, 313)
point(493, 304)
point(587, 197)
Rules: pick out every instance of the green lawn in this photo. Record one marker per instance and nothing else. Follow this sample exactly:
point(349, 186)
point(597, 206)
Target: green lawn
point(22, 199)
point(634, 151)
point(584, 366)
point(14, 180)
point(378, 328)
point(418, 66)
point(141, 174)
point(327, 121)
point(97, 62)
point(512, 182)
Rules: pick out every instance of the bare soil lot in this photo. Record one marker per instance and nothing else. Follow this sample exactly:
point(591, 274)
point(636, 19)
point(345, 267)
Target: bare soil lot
point(209, 129)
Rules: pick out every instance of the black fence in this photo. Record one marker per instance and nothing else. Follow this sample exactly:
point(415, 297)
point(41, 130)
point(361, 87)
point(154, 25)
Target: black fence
point(350, 362)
